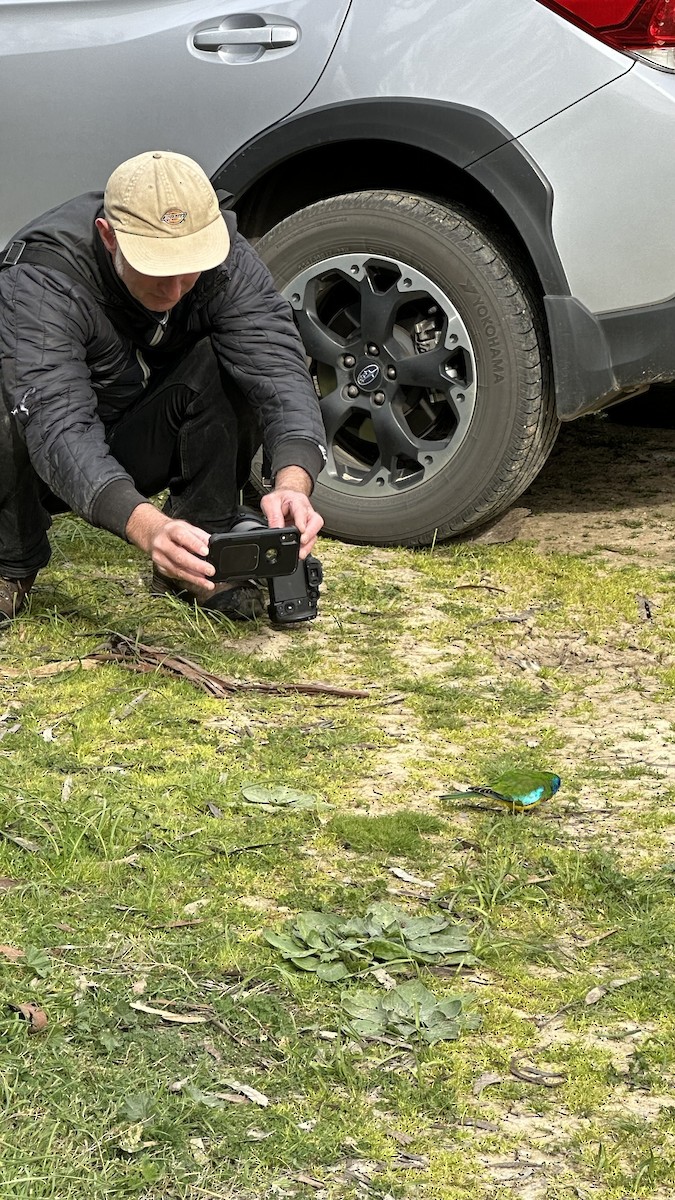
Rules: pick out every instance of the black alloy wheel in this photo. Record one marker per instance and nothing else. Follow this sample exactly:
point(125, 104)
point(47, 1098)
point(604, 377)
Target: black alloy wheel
point(427, 358)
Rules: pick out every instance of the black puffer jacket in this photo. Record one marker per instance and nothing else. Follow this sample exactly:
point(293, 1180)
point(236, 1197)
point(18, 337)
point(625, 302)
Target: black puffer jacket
point(76, 349)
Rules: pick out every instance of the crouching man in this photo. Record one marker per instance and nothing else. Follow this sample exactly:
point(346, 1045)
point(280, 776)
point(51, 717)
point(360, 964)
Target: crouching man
point(144, 347)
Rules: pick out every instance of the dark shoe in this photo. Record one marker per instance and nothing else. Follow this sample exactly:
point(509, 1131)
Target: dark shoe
point(13, 594)
point(240, 601)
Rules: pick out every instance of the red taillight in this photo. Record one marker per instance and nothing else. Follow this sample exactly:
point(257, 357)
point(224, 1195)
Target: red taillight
point(642, 26)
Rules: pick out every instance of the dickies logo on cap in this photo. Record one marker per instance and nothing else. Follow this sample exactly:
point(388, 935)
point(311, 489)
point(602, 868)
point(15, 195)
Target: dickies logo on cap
point(174, 216)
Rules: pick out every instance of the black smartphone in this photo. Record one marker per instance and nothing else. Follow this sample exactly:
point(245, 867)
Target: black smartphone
point(258, 551)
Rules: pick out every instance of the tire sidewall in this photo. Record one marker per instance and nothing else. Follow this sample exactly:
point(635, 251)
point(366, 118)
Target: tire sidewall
point(470, 272)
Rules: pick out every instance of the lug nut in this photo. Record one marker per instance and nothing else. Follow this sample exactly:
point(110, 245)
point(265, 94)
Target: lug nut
point(349, 360)
point(391, 372)
point(352, 390)
point(372, 348)
point(379, 398)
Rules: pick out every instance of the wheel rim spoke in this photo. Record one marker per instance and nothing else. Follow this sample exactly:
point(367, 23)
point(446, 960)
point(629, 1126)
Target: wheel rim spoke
point(378, 311)
point(320, 343)
point(424, 370)
point(334, 412)
point(394, 439)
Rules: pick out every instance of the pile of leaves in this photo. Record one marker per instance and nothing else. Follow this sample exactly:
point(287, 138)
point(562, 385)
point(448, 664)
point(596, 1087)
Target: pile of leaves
point(335, 947)
point(409, 1011)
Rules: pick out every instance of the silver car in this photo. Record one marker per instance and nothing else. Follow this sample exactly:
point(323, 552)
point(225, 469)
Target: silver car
point(467, 204)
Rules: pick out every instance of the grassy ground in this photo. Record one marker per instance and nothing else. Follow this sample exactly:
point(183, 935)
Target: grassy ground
point(135, 873)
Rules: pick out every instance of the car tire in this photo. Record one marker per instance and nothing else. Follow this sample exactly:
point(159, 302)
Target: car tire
point(427, 350)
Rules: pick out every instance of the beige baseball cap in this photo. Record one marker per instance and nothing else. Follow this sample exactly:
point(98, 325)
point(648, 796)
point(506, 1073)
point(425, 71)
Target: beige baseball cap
point(165, 215)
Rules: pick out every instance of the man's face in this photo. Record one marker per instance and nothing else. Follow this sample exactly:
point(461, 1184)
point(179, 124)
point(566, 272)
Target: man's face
point(159, 293)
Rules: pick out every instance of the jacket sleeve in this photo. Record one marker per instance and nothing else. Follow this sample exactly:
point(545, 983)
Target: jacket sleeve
point(46, 333)
point(259, 348)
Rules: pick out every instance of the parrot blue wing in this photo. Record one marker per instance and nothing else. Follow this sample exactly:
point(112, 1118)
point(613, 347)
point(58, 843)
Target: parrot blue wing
point(525, 791)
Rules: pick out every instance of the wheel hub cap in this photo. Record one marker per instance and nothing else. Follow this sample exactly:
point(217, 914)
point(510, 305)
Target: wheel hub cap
point(367, 375)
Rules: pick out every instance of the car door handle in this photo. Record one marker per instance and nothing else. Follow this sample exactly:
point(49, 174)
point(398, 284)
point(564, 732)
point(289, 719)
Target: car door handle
point(272, 37)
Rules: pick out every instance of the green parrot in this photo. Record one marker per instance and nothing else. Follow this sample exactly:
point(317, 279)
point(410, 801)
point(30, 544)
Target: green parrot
point(520, 790)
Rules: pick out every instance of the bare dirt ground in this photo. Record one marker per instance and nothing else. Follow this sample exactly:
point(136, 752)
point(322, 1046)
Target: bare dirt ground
point(607, 487)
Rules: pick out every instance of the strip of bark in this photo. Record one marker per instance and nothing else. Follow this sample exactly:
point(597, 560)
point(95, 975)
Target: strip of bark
point(138, 657)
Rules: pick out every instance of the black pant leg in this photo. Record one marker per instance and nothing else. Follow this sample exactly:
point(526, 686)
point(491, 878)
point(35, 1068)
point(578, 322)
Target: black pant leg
point(193, 434)
point(24, 546)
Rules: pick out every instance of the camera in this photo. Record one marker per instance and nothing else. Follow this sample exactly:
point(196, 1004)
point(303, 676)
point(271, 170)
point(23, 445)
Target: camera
point(252, 548)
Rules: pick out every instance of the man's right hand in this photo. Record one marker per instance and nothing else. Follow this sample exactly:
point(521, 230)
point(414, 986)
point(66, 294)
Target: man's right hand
point(176, 548)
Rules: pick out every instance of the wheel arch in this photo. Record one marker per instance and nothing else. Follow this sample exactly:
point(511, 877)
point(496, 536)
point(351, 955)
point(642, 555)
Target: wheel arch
point(436, 149)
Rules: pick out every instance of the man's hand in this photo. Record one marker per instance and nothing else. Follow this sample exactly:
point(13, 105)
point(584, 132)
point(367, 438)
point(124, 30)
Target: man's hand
point(289, 504)
point(176, 548)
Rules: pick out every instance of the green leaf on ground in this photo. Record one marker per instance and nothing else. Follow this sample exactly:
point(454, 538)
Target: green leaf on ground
point(409, 1011)
point(335, 947)
point(275, 796)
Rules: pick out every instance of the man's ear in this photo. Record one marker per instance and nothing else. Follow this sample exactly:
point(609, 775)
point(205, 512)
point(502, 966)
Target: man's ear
point(107, 234)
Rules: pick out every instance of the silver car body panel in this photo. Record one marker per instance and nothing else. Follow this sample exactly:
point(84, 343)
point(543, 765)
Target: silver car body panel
point(574, 105)
point(611, 165)
point(513, 59)
point(123, 76)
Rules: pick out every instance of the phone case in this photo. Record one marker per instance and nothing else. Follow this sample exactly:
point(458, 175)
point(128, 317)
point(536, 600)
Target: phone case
point(263, 552)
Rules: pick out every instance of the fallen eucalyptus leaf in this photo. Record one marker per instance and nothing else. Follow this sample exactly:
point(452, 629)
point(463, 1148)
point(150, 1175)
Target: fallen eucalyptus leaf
point(36, 1018)
point(249, 1092)
point(166, 1015)
point(529, 1073)
point(212, 1050)
point(407, 878)
point(309, 1180)
point(410, 1162)
point(383, 977)
point(619, 983)
point(179, 1084)
point(11, 952)
point(198, 1152)
point(594, 995)
point(403, 1139)
point(21, 842)
point(487, 1079)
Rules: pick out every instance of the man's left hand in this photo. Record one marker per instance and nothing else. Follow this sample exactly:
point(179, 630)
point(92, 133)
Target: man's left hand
point(289, 504)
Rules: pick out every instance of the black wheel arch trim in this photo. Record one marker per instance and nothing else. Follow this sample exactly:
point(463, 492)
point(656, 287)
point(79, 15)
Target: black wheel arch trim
point(596, 360)
point(464, 137)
